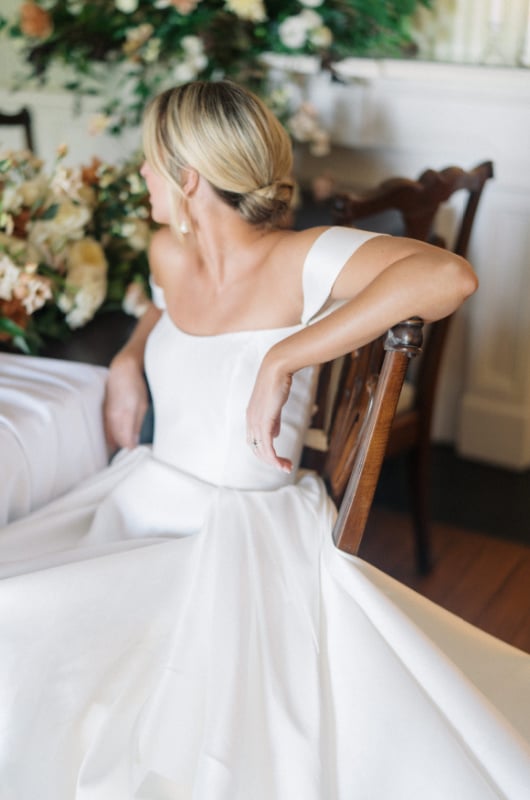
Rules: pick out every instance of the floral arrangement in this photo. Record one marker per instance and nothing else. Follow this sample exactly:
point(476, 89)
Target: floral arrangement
point(72, 243)
point(150, 44)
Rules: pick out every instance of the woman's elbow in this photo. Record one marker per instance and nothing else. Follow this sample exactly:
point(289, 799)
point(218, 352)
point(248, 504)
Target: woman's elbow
point(456, 281)
point(465, 278)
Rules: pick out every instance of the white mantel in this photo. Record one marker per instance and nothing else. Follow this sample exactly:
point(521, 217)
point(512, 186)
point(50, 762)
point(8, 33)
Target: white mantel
point(398, 118)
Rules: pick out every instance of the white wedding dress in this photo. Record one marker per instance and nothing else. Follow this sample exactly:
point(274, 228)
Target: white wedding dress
point(181, 627)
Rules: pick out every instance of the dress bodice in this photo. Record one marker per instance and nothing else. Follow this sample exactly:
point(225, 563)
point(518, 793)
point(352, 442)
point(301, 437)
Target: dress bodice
point(201, 385)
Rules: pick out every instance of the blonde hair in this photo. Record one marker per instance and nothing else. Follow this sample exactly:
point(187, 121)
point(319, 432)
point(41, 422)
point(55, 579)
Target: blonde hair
point(231, 138)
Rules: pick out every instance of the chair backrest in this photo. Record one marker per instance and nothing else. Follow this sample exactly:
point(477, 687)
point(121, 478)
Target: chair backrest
point(355, 404)
point(20, 119)
point(417, 203)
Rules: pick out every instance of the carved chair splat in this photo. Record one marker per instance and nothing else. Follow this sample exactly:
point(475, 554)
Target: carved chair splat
point(418, 203)
point(358, 402)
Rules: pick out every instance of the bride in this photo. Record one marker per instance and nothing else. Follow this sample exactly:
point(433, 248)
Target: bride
point(180, 625)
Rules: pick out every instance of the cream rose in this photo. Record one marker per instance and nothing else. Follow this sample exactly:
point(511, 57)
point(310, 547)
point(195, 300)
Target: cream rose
point(137, 233)
point(86, 282)
point(32, 290)
point(9, 274)
point(253, 10)
point(68, 224)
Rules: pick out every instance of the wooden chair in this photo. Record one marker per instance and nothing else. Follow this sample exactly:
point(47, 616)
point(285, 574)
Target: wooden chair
point(417, 203)
point(356, 401)
point(20, 119)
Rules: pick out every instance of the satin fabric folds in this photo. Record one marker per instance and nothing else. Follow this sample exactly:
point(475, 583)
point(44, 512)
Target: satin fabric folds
point(200, 666)
point(51, 431)
point(253, 664)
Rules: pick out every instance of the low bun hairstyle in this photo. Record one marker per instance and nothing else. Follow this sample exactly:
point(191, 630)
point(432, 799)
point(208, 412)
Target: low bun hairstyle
point(231, 138)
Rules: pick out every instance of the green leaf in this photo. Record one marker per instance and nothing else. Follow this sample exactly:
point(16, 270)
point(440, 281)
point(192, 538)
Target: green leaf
point(50, 212)
point(8, 326)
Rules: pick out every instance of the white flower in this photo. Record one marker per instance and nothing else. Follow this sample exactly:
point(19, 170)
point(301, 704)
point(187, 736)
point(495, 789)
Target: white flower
point(136, 183)
point(137, 233)
point(192, 45)
point(75, 6)
point(303, 124)
point(184, 72)
point(67, 224)
point(67, 182)
point(32, 190)
point(321, 37)
point(311, 3)
point(12, 199)
point(305, 127)
point(7, 223)
point(126, 6)
point(9, 274)
point(98, 124)
point(293, 32)
point(151, 51)
point(320, 144)
point(65, 303)
point(136, 37)
point(86, 303)
point(194, 49)
point(25, 194)
point(18, 250)
point(33, 291)
point(194, 60)
point(311, 19)
point(253, 10)
point(135, 300)
point(86, 282)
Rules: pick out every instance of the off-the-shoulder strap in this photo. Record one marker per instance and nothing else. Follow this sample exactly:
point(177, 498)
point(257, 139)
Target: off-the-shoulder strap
point(157, 295)
point(324, 261)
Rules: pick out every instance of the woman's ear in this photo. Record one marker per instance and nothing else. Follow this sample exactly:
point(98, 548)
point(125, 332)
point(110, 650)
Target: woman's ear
point(189, 180)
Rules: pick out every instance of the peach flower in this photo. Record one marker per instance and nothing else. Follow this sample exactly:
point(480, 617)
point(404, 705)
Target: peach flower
point(35, 21)
point(182, 6)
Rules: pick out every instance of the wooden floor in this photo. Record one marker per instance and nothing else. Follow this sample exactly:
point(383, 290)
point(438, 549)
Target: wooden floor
point(484, 580)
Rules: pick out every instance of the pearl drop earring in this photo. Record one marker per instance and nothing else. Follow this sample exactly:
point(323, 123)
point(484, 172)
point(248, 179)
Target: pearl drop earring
point(183, 226)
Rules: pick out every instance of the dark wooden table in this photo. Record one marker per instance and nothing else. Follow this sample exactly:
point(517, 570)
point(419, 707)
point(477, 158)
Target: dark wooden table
point(95, 343)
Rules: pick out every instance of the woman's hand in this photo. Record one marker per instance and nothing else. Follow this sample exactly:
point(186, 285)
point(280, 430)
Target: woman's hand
point(264, 410)
point(126, 402)
point(126, 398)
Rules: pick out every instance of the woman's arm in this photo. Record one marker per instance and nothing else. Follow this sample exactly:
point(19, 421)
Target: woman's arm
point(387, 280)
point(126, 397)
